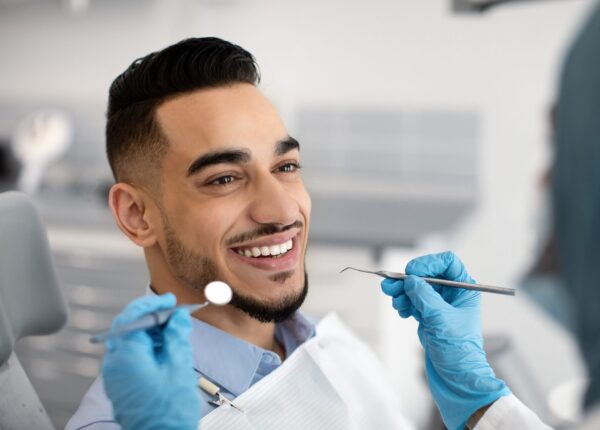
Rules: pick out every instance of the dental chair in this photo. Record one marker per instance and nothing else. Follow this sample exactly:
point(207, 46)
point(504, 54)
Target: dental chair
point(31, 303)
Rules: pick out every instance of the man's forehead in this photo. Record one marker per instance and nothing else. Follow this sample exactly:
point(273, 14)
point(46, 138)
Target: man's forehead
point(217, 118)
point(273, 147)
point(212, 106)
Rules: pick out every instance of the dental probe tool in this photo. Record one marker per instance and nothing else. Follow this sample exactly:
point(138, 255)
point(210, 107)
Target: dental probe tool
point(217, 293)
point(215, 390)
point(454, 284)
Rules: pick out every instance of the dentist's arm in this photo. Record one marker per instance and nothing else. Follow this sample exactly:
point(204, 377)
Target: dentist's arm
point(148, 375)
point(462, 382)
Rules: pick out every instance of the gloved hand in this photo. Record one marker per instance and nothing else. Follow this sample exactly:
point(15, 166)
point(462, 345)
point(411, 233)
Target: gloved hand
point(150, 386)
point(459, 376)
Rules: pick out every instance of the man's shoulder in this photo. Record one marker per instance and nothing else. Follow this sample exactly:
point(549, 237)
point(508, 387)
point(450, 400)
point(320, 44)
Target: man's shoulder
point(95, 411)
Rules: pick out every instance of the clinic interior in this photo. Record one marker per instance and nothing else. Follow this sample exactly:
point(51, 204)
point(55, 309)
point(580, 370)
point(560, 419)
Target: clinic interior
point(424, 127)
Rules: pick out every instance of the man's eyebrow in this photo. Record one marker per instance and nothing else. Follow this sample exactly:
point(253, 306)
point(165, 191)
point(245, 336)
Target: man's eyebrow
point(286, 145)
point(235, 156)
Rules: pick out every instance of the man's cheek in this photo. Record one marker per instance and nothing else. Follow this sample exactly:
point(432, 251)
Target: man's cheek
point(306, 203)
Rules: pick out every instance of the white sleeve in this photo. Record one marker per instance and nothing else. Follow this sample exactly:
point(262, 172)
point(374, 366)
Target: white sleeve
point(509, 413)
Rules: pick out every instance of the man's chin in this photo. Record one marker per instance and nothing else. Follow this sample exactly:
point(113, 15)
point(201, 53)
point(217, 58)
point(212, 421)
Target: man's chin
point(282, 277)
point(272, 312)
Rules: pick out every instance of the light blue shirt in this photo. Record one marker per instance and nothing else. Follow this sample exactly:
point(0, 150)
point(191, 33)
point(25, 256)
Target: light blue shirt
point(234, 364)
point(231, 363)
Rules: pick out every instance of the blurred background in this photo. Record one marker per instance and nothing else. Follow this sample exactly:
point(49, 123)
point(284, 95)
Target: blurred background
point(425, 126)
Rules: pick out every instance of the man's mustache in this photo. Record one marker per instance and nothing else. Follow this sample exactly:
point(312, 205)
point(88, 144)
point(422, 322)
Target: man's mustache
point(263, 230)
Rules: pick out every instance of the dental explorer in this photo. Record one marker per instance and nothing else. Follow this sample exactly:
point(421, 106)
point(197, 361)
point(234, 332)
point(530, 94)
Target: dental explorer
point(442, 282)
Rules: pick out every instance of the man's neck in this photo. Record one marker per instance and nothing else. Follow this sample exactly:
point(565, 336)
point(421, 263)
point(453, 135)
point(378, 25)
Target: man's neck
point(239, 324)
point(231, 320)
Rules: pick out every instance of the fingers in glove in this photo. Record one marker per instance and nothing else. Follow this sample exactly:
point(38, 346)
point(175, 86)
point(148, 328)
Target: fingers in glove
point(424, 298)
point(176, 337)
point(392, 287)
point(443, 265)
point(138, 341)
point(143, 306)
point(403, 305)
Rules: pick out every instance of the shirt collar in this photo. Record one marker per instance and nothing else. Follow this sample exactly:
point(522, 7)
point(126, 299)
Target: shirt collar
point(231, 362)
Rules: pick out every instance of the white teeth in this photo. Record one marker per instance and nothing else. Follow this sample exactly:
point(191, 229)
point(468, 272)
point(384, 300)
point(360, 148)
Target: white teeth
point(266, 251)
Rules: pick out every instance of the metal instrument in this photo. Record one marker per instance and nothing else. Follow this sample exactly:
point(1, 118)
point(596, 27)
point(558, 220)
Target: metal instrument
point(215, 390)
point(443, 282)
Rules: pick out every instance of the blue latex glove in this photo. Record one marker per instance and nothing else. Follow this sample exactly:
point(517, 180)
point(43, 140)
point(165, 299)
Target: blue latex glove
point(150, 386)
point(459, 376)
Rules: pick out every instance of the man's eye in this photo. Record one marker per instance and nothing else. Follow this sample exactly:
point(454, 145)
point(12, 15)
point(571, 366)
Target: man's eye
point(222, 180)
point(290, 167)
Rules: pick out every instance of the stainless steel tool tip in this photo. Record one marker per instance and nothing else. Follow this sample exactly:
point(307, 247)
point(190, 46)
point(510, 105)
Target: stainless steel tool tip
point(357, 270)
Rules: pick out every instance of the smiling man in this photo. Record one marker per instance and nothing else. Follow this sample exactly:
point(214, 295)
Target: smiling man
point(229, 205)
point(208, 184)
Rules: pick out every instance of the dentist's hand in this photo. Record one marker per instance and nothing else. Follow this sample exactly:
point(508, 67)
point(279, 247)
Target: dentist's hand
point(150, 386)
point(459, 376)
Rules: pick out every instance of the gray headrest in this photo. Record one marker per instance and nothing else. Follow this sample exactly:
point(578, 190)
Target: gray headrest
point(31, 301)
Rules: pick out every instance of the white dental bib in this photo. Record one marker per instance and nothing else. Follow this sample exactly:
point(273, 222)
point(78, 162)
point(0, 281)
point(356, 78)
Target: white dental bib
point(331, 382)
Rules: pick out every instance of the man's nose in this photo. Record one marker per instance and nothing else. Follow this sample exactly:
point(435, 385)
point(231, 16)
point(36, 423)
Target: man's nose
point(273, 203)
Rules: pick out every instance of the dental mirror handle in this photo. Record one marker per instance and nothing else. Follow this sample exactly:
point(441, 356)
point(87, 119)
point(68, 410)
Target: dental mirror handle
point(147, 321)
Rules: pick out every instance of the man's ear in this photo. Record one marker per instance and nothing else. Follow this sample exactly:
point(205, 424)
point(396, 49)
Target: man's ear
point(131, 211)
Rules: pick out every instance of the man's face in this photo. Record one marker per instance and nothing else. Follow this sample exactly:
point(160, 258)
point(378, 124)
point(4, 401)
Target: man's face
point(233, 204)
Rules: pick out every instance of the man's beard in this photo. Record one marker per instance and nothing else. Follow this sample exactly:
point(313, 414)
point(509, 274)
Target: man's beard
point(197, 271)
point(265, 312)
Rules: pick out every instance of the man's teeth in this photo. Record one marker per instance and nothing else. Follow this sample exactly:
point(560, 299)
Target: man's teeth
point(265, 251)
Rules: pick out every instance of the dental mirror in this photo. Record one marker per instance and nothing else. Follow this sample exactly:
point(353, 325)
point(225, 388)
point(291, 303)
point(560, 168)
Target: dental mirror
point(218, 293)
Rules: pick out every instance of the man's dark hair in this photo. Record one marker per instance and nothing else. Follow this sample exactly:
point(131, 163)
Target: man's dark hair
point(135, 144)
